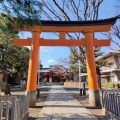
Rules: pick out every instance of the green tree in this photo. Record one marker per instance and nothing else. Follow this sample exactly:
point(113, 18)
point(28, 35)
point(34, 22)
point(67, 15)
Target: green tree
point(16, 11)
point(13, 59)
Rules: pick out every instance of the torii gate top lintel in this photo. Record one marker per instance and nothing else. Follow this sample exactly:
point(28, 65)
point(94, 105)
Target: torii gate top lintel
point(72, 26)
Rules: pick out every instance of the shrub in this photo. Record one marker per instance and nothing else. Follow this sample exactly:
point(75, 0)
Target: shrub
point(86, 82)
point(108, 84)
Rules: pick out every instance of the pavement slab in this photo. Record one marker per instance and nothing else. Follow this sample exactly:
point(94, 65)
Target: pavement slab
point(60, 105)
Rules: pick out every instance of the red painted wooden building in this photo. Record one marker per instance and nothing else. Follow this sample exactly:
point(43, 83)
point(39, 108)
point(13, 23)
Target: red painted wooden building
point(55, 73)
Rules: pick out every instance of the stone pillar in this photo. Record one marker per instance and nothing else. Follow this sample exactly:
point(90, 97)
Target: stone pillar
point(33, 66)
point(94, 96)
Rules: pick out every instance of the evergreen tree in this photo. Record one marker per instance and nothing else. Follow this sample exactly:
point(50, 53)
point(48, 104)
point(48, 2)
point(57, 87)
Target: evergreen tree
point(16, 11)
point(13, 59)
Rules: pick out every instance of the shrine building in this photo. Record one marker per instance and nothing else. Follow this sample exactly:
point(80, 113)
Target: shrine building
point(55, 73)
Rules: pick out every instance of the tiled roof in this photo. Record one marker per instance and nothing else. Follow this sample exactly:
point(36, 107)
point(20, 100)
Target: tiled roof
point(116, 51)
point(53, 68)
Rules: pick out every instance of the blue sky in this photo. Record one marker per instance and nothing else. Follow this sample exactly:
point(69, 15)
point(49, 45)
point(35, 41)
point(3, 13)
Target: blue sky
point(50, 55)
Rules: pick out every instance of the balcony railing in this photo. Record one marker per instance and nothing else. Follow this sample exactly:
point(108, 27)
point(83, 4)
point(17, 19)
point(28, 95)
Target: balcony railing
point(110, 67)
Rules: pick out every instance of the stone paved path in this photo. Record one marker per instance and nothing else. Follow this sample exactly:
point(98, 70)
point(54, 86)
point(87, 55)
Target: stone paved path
point(60, 105)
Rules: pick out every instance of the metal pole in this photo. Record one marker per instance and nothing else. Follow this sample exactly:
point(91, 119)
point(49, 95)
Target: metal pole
point(39, 68)
point(79, 67)
point(38, 83)
point(79, 73)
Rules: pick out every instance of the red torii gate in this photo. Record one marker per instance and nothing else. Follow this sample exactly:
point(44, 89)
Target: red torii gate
point(63, 27)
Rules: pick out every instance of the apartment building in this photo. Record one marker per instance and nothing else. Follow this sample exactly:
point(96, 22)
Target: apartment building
point(111, 72)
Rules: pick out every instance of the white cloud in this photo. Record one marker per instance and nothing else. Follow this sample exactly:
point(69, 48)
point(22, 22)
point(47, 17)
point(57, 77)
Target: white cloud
point(49, 61)
point(51, 48)
point(47, 49)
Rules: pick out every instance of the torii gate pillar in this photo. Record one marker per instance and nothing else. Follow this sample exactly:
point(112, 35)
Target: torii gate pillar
point(94, 97)
point(33, 66)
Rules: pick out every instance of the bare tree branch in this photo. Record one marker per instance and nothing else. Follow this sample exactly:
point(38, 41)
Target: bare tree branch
point(110, 37)
point(85, 8)
point(65, 14)
point(79, 10)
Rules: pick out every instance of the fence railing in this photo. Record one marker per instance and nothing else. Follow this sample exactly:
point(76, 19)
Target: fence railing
point(111, 104)
point(14, 107)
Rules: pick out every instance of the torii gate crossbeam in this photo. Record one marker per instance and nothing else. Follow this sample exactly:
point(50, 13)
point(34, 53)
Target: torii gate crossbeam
point(87, 28)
